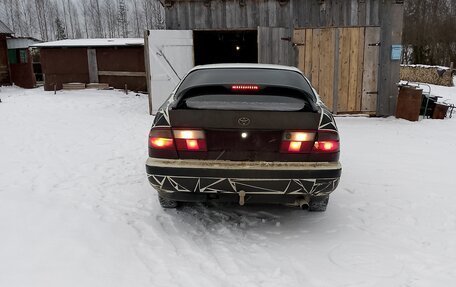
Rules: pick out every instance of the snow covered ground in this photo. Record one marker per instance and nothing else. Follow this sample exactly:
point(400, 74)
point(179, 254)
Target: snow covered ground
point(76, 208)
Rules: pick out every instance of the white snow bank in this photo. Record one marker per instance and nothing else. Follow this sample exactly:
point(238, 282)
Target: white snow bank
point(76, 208)
point(426, 66)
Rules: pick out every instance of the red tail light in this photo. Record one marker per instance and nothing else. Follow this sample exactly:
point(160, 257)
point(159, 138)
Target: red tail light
point(161, 143)
point(327, 142)
point(326, 146)
point(297, 142)
point(190, 140)
point(161, 139)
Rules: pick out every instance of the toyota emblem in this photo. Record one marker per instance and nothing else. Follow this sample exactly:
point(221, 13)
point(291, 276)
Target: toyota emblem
point(244, 121)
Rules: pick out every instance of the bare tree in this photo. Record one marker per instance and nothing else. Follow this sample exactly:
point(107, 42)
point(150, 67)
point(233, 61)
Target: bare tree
point(430, 31)
point(82, 18)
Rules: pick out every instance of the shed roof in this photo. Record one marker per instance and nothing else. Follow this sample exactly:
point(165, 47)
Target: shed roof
point(21, 42)
point(4, 29)
point(92, 43)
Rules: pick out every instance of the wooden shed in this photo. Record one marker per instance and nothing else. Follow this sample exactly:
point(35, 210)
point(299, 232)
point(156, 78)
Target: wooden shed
point(348, 49)
point(21, 62)
point(117, 62)
point(5, 32)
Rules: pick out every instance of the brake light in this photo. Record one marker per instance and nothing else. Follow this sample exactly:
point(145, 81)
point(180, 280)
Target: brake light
point(192, 144)
point(326, 146)
point(161, 143)
point(297, 142)
point(294, 147)
point(161, 139)
point(190, 140)
point(245, 87)
point(327, 142)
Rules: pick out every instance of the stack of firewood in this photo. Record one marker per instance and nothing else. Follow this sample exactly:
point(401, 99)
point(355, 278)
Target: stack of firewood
point(428, 74)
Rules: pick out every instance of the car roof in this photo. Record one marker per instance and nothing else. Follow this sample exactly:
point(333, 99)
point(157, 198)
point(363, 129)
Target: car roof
point(246, 66)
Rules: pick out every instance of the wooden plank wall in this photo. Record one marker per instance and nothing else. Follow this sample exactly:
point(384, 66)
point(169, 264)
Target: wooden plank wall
point(230, 14)
point(226, 14)
point(4, 70)
point(273, 48)
point(341, 65)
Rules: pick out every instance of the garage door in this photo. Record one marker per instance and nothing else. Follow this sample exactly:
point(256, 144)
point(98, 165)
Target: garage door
point(342, 64)
point(170, 57)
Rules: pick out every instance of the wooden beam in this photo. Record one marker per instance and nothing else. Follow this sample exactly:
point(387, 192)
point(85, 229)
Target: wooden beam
point(148, 77)
point(121, 74)
point(93, 65)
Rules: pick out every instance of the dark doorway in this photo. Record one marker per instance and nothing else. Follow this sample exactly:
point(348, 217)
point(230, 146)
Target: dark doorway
point(211, 47)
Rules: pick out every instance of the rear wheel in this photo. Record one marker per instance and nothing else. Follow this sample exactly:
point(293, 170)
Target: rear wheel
point(167, 203)
point(318, 204)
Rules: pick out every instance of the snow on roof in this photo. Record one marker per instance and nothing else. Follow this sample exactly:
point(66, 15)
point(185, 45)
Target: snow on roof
point(4, 29)
point(426, 66)
point(21, 42)
point(92, 43)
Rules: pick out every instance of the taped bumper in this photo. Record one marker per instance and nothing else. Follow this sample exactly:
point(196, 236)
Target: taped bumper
point(200, 176)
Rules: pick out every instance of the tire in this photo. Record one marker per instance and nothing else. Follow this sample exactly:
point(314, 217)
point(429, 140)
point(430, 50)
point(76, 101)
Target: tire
point(167, 203)
point(318, 204)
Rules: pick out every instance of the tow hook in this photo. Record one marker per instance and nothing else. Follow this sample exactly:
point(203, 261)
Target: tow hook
point(241, 197)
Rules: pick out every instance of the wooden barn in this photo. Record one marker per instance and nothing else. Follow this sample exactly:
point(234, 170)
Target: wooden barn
point(117, 62)
point(21, 64)
point(5, 33)
point(349, 49)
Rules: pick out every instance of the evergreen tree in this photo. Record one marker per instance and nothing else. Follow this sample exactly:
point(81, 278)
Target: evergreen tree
point(122, 19)
point(61, 34)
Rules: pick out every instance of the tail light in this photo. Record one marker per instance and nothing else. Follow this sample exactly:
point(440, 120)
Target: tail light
point(161, 139)
point(164, 142)
point(297, 142)
point(326, 142)
point(310, 141)
point(190, 140)
point(161, 143)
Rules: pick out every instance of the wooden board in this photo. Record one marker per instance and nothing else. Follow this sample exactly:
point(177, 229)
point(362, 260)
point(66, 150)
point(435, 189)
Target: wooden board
point(344, 69)
point(370, 68)
point(354, 69)
point(334, 60)
point(222, 14)
point(274, 46)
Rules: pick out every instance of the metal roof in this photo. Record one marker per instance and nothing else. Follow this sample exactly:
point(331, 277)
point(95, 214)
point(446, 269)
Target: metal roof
point(4, 29)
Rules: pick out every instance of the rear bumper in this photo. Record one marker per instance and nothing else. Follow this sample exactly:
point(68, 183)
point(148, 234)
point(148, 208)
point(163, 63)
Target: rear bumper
point(193, 180)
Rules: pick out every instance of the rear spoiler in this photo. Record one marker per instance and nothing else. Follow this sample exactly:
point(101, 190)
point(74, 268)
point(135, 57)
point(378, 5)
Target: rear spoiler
point(245, 89)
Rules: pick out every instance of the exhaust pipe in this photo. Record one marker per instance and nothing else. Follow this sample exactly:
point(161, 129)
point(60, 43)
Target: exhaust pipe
point(302, 203)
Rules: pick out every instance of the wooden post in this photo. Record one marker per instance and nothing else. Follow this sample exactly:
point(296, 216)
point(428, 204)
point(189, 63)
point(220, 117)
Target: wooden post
point(147, 60)
point(391, 22)
point(126, 89)
point(93, 65)
point(55, 89)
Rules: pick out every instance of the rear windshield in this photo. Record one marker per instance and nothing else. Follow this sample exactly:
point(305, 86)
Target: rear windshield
point(246, 102)
point(256, 76)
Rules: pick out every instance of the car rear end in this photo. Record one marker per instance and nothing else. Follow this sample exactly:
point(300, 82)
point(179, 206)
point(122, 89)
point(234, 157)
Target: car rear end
point(253, 134)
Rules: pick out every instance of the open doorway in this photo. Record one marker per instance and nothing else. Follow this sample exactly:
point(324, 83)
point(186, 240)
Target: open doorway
point(225, 46)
